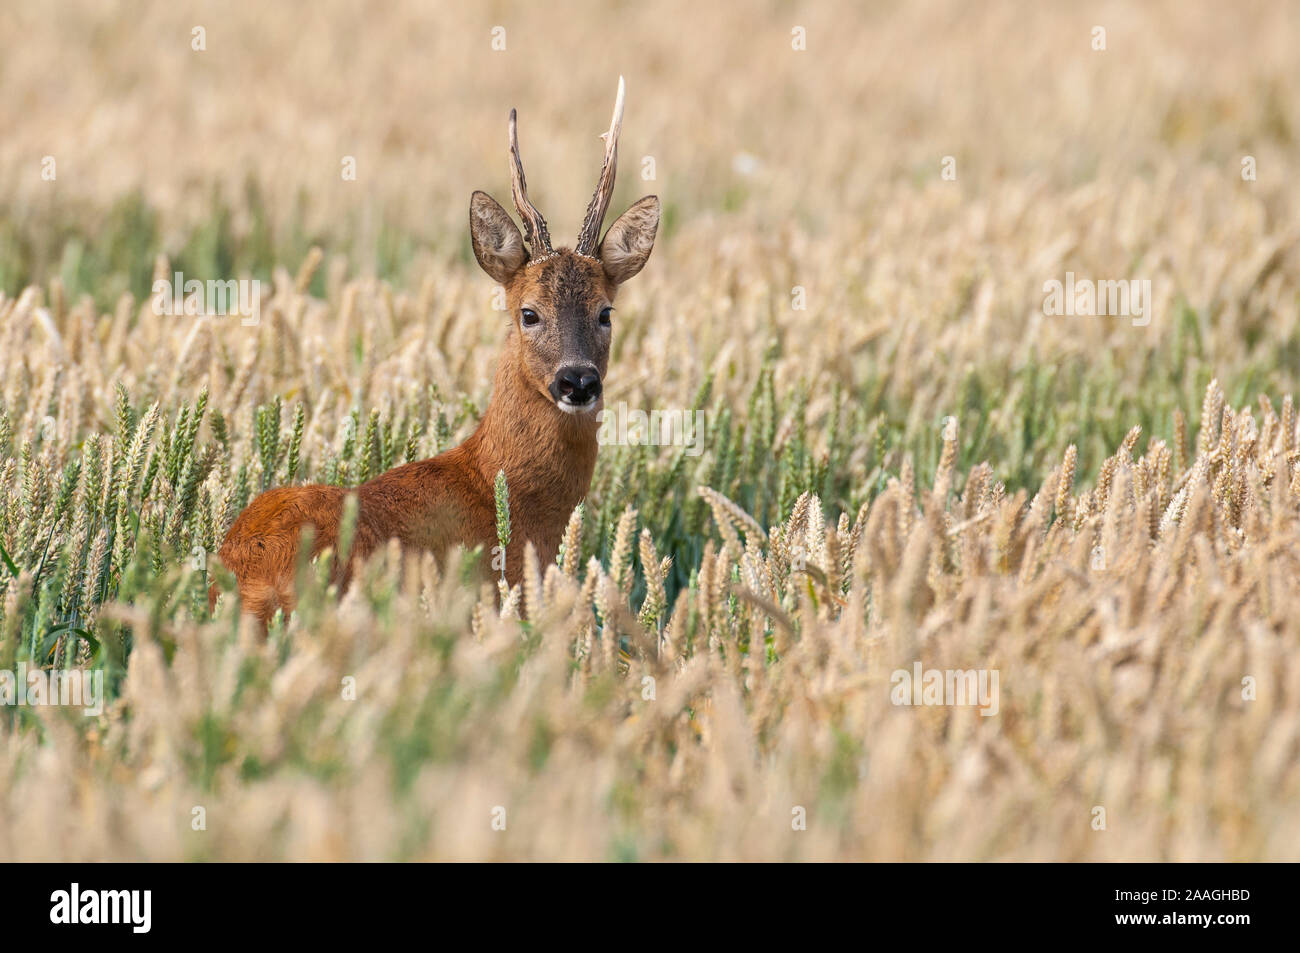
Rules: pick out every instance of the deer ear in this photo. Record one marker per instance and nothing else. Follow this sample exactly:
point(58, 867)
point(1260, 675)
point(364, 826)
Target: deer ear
point(498, 246)
point(628, 242)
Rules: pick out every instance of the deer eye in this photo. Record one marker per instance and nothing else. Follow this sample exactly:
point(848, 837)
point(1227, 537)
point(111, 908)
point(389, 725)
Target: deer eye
point(529, 317)
point(604, 316)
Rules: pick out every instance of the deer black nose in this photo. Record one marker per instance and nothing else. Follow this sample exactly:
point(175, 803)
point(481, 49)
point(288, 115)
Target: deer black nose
point(576, 384)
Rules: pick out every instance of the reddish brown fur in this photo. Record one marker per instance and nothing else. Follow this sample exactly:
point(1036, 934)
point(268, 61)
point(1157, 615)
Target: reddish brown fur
point(547, 454)
point(548, 457)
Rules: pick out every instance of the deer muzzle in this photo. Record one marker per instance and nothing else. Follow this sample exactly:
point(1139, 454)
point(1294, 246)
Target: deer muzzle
point(576, 388)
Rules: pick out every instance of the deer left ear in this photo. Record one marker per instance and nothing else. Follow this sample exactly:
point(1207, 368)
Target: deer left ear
point(627, 244)
point(498, 246)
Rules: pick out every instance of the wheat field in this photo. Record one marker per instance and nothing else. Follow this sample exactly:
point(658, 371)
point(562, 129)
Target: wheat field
point(904, 459)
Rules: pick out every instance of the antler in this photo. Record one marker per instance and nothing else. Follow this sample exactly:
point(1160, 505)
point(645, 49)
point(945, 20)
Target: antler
point(535, 233)
point(590, 234)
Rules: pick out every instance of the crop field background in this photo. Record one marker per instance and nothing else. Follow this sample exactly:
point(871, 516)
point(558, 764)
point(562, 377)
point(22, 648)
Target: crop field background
point(903, 458)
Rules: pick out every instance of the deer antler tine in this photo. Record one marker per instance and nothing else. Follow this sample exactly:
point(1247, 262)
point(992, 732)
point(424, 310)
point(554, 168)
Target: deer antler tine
point(595, 217)
point(535, 233)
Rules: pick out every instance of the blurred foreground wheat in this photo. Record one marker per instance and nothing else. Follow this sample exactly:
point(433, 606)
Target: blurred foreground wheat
point(630, 716)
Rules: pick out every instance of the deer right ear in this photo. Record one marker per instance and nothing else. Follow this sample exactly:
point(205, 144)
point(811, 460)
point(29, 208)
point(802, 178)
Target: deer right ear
point(627, 244)
point(498, 246)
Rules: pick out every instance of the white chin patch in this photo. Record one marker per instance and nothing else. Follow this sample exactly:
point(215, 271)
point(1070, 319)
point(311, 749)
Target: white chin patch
point(571, 408)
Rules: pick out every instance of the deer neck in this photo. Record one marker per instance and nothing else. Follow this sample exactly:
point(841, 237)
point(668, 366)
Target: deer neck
point(548, 456)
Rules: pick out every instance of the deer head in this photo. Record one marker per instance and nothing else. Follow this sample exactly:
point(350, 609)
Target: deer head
point(561, 300)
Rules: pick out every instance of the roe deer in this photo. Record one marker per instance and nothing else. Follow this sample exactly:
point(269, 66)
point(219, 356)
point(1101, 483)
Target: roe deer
point(539, 428)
